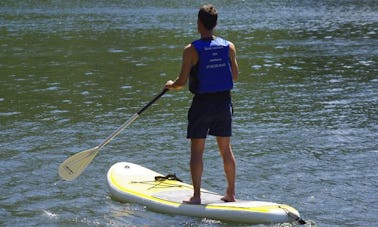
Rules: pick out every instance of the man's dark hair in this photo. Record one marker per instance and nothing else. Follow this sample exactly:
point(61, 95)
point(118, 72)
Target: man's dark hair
point(208, 15)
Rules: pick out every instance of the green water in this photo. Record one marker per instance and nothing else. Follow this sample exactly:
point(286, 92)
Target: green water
point(306, 106)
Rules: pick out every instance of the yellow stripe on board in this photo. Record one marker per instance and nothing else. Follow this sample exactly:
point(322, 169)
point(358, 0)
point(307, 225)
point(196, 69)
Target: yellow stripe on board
point(260, 209)
point(142, 195)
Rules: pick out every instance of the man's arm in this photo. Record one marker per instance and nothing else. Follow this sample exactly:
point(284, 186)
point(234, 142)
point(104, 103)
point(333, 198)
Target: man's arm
point(234, 63)
point(189, 58)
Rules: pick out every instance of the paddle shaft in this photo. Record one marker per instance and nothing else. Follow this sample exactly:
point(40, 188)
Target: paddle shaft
point(75, 165)
point(128, 122)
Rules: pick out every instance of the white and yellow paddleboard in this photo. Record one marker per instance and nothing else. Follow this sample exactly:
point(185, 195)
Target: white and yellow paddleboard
point(130, 182)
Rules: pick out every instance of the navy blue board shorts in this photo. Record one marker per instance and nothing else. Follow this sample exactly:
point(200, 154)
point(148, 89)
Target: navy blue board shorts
point(210, 114)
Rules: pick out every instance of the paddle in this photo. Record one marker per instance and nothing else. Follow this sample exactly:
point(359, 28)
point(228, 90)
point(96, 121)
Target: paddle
point(73, 166)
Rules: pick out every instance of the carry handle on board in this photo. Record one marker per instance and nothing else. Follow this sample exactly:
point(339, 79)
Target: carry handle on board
point(73, 166)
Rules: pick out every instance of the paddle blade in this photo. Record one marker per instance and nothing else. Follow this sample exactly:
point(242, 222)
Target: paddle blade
point(73, 166)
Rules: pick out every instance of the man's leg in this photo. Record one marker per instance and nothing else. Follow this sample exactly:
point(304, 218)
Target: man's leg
point(196, 168)
point(229, 163)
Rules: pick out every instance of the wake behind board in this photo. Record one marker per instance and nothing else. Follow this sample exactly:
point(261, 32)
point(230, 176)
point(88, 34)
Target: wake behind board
point(130, 182)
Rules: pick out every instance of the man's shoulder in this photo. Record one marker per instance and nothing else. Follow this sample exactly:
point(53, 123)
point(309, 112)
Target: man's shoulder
point(225, 41)
point(189, 48)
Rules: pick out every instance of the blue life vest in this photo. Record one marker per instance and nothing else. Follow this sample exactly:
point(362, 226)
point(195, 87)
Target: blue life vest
point(213, 71)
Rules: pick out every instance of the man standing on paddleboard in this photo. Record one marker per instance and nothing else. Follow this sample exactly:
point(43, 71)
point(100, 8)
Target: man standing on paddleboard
point(211, 67)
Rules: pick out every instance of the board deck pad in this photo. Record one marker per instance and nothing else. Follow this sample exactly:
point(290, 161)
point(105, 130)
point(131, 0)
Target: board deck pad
point(129, 182)
point(182, 195)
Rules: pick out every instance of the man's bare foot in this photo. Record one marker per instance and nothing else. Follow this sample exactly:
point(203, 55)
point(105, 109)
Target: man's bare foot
point(228, 198)
point(192, 200)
